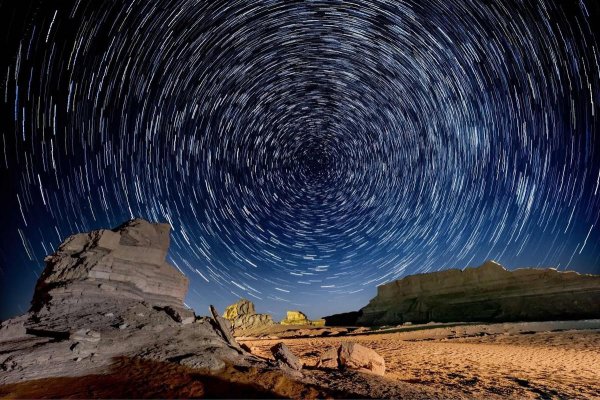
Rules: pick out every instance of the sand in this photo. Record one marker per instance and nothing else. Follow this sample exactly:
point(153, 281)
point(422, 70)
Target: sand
point(482, 361)
point(444, 361)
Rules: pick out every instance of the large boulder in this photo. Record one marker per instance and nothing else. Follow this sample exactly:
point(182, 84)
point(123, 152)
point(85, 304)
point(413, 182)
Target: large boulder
point(351, 355)
point(488, 293)
point(284, 356)
point(355, 356)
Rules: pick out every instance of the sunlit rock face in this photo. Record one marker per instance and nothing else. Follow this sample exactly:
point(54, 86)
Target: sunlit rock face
point(299, 318)
point(241, 307)
point(243, 317)
point(486, 293)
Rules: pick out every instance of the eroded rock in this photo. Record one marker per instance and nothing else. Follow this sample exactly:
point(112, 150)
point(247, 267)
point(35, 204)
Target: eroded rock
point(243, 317)
point(283, 355)
point(107, 294)
point(355, 356)
point(488, 293)
point(295, 317)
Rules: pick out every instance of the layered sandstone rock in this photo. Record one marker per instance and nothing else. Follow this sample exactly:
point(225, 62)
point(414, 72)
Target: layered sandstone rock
point(107, 294)
point(485, 293)
point(299, 318)
point(244, 319)
point(238, 309)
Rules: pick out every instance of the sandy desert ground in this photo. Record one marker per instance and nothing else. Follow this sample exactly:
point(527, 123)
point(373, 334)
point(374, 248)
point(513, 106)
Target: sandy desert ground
point(434, 361)
point(476, 361)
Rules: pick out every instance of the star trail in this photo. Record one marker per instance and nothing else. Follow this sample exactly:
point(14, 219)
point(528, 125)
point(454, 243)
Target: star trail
point(303, 152)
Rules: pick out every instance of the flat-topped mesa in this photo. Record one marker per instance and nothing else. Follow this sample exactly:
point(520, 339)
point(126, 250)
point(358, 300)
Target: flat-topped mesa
point(127, 262)
point(485, 293)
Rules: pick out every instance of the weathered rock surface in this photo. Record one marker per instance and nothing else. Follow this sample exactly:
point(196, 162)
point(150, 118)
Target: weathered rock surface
point(486, 293)
point(353, 356)
point(329, 359)
point(238, 309)
point(107, 294)
point(243, 317)
point(284, 355)
point(299, 318)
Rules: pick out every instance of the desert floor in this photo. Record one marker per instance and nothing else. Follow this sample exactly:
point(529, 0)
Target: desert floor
point(483, 361)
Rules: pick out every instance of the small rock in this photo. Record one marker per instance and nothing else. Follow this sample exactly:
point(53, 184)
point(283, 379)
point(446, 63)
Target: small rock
point(245, 347)
point(284, 356)
point(123, 325)
point(329, 359)
point(355, 356)
point(109, 315)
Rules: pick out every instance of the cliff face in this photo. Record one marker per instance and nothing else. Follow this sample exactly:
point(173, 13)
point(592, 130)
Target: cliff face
point(486, 293)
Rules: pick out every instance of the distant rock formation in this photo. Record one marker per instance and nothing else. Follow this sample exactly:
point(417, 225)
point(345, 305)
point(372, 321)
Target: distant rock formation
point(242, 307)
point(486, 293)
point(299, 318)
point(107, 294)
point(244, 318)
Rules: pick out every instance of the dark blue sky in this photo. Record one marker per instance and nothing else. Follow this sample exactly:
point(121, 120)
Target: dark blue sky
point(304, 152)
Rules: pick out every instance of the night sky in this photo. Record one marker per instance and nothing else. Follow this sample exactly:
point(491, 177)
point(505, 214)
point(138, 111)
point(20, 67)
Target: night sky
point(303, 151)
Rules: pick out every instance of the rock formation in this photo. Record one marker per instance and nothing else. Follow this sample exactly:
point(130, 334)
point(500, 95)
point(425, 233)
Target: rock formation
point(243, 317)
point(299, 318)
point(241, 307)
point(108, 294)
point(486, 293)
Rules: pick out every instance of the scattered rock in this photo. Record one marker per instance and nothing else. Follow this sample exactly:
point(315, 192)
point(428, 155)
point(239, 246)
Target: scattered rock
point(283, 355)
point(355, 356)
point(329, 359)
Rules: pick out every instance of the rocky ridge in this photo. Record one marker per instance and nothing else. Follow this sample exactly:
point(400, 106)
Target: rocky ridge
point(488, 293)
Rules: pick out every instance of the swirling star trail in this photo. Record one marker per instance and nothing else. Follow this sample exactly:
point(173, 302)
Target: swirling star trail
point(303, 151)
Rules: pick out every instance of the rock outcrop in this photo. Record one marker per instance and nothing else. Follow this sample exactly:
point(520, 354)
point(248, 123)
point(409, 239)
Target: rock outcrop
point(488, 293)
point(244, 319)
point(107, 294)
point(299, 318)
point(238, 309)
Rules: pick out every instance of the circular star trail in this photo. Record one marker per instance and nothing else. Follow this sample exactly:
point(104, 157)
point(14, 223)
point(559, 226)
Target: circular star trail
point(305, 152)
